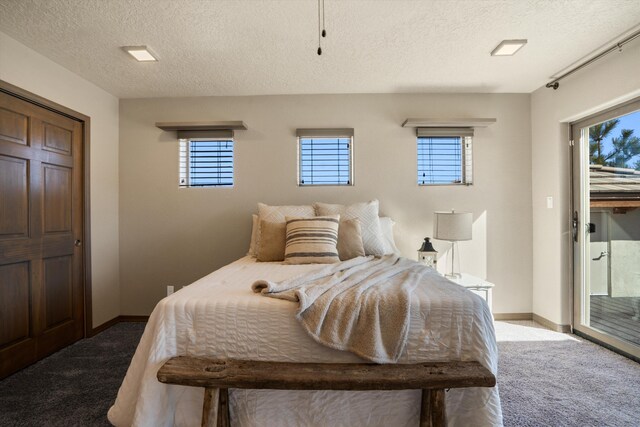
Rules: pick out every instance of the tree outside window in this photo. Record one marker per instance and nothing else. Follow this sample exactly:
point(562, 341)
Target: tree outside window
point(616, 142)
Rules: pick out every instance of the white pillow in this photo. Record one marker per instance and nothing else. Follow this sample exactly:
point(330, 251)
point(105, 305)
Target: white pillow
point(386, 225)
point(367, 213)
point(279, 213)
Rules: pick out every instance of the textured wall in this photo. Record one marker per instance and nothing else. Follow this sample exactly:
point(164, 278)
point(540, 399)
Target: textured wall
point(29, 70)
point(174, 236)
point(604, 84)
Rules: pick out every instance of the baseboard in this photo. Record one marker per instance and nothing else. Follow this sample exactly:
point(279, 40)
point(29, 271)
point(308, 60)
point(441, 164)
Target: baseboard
point(109, 323)
point(551, 325)
point(513, 316)
point(106, 325)
point(536, 318)
point(133, 318)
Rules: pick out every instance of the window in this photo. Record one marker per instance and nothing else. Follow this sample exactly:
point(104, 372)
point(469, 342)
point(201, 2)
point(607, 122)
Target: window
point(325, 157)
point(445, 156)
point(206, 163)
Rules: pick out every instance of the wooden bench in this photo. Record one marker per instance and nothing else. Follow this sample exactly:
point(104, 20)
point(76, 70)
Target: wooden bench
point(217, 376)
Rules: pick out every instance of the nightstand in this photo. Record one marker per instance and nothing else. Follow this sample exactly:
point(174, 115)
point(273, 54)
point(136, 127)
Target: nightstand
point(477, 286)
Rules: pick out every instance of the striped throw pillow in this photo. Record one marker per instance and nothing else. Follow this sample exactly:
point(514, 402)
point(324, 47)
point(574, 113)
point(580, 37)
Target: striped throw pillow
point(312, 240)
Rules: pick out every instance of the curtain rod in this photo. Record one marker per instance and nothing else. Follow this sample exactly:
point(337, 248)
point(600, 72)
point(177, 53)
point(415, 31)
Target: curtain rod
point(555, 83)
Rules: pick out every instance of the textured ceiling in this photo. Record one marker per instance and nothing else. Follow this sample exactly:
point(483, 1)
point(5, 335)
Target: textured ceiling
point(255, 47)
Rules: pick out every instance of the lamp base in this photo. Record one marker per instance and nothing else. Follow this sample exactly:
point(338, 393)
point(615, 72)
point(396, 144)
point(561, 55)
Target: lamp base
point(453, 276)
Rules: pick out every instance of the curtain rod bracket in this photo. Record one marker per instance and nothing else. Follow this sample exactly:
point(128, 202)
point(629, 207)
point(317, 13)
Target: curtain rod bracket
point(555, 85)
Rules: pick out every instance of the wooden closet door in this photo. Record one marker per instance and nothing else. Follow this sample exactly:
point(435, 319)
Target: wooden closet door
point(41, 233)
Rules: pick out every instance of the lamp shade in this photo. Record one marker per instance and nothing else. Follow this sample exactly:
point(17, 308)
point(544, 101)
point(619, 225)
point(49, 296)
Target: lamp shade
point(452, 226)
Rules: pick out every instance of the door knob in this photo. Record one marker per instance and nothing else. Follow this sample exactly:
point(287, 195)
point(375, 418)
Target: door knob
point(78, 243)
point(602, 254)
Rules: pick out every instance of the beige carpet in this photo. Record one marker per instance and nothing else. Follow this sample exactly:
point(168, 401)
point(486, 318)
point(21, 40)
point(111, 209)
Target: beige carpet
point(551, 379)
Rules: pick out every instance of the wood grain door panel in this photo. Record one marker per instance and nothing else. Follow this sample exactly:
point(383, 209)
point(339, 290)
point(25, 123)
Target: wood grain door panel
point(57, 204)
point(14, 197)
point(15, 307)
point(13, 126)
point(41, 196)
point(58, 290)
point(17, 348)
point(57, 139)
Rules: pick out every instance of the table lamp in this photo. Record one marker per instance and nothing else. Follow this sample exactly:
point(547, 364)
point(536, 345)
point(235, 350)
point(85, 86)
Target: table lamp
point(453, 227)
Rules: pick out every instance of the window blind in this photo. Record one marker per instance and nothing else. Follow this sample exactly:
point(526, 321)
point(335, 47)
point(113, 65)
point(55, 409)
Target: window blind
point(206, 163)
point(444, 159)
point(325, 160)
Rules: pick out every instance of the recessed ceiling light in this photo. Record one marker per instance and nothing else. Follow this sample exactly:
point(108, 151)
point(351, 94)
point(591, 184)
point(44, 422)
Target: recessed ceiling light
point(508, 47)
point(140, 53)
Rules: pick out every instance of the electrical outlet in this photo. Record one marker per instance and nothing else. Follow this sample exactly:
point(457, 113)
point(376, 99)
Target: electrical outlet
point(169, 290)
point(549, 202)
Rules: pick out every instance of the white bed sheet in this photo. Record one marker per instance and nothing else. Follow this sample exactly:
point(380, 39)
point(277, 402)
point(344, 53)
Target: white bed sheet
point(219, 316)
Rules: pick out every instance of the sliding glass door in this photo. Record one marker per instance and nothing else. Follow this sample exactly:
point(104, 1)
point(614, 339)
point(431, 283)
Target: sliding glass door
point(606, 227)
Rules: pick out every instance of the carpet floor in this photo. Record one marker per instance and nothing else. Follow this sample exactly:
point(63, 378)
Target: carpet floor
point(73, 387)
point(545, 379)
point(552, 379)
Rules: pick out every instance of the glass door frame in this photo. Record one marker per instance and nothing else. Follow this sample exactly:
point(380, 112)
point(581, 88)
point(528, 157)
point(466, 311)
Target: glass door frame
point(580, 218)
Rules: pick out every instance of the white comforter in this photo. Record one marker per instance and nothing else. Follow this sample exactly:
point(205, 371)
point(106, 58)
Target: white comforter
point(219, 316)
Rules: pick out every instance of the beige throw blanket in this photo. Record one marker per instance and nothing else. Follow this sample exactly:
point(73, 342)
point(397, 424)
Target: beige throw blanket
point(361, 305)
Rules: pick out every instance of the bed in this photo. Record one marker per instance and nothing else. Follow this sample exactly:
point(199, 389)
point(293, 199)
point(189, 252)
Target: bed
point(220, 316)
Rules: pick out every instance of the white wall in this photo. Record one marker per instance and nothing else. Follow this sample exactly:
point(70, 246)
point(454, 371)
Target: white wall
point(603, 84)
point(174, 236)
point(29, 70)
